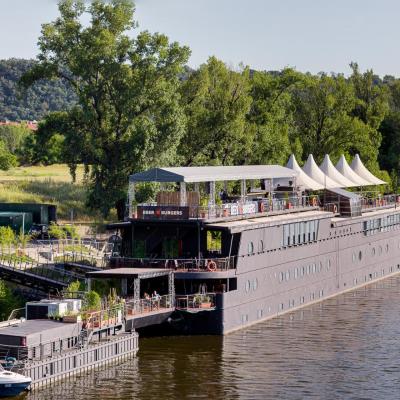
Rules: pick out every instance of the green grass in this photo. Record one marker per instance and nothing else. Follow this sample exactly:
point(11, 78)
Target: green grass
point(49, 184)
point(55, 172)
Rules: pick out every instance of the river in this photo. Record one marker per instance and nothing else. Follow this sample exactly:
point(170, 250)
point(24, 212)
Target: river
point(347, 347)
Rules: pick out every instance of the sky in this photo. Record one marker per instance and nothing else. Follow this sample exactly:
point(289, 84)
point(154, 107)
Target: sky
point(310, 35)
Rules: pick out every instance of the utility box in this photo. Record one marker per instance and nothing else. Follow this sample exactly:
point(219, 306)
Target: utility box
point(45, 308)
point(41, 213)
point(73, 304)
point(16, 221)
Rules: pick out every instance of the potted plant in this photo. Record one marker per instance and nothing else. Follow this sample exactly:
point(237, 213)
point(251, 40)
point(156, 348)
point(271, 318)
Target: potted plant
point(205, 302)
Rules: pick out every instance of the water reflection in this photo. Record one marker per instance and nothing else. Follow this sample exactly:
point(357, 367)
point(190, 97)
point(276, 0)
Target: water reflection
point(344, 348)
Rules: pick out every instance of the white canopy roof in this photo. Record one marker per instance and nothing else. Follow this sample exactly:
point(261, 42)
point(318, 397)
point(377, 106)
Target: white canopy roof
point(314, 172)
point(329, 169)
point(344, 168)
point(358, 167)
point(213, 174)
point(303, 180)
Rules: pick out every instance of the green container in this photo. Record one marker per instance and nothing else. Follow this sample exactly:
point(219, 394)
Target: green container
point(41, 213)
point(16, 221)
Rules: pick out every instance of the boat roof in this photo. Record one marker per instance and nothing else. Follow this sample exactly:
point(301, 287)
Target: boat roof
point(359, 168)
point(344, 168)
point(32, 326)
point(330, 170)
point(213, 173)
point(313, 171)
point(273, 220)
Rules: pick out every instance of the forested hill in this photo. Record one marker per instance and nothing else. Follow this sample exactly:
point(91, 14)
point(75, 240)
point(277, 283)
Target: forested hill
point(42, 98)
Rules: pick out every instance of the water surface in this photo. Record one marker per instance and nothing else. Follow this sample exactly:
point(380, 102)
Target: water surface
point(344, 348)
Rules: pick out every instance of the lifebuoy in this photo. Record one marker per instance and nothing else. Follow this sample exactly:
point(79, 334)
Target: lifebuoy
point(212, 266)
point(334, 209)
point(262, 207)
point(314, 202)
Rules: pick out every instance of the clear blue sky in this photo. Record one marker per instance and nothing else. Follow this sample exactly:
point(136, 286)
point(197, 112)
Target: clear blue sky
point(311, 35)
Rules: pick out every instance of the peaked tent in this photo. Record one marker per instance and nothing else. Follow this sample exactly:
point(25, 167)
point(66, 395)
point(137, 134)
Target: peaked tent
point(358, 167)
point(302, 179)
point(313, 171)
point(329, 169)
point(344, 168)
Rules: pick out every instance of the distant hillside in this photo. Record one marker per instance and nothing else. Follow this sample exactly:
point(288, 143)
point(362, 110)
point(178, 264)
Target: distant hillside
point(42, 98)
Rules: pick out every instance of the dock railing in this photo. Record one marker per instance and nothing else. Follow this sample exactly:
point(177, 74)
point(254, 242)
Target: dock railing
point(42, 270)
point(212, 264)
point(143, 306)
point(195, 301)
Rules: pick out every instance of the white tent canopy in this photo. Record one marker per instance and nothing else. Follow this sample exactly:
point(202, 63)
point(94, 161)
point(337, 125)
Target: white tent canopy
point(302, 179)
point(314, 172)
point(358, 167)
point(344, 168)
point(329, 169)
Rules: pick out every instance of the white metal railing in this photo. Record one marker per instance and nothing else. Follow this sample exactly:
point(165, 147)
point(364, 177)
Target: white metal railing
point(229, 209)
point(195, 301)
point(142, 306)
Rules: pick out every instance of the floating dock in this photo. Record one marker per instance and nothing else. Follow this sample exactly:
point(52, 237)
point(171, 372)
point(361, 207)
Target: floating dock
point(49, 370)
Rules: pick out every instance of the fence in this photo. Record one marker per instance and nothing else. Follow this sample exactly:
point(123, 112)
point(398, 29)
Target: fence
point(142, 306)
point(196, 301)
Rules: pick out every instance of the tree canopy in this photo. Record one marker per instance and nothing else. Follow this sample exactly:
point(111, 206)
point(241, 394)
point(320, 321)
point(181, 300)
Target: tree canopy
point(127, 115)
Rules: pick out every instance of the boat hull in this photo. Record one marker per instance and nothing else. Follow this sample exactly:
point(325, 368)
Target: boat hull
point(13, 389)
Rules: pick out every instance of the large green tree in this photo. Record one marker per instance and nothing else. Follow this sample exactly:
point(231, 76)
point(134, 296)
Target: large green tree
point(128, 115)
point(216, 101)
point(325, 121)
point(270, 117)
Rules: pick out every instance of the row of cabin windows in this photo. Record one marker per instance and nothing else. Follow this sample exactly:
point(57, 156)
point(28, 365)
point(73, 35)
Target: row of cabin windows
point(384, 224)
point(299, 272)
point(300, 232)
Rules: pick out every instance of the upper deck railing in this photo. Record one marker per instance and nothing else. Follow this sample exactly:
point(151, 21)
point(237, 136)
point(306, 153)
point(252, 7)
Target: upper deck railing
point(261, 206)
point(177, 264)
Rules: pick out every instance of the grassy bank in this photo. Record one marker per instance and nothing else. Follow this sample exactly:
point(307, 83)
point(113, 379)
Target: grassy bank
point(49, 184)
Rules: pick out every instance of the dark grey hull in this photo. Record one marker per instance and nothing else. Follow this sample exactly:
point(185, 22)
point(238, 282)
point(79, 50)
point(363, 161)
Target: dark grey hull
point(345, 254)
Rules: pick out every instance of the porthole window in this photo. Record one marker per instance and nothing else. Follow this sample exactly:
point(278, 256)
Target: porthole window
point(354, 257)
point(287, 275)
point(261, 246)
point(247, 286)
point(250, 248)
point(373, 251)
point(328, 265)
point(296, 273)
point(380, 250)
point(280, 276)
point(387, 248)
point(255, 284)
point(360, 255)
point(320, 266)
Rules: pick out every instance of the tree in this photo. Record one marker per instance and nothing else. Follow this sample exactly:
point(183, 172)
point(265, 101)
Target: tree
point(271, 117)
point(8, 300)
point(128, 115)
point(14, 136)
point(7, 238)
point(324, 122)
point(216, 101)
point(7, 159)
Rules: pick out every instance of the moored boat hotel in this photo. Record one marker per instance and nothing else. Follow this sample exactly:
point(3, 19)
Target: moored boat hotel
point(247, 243)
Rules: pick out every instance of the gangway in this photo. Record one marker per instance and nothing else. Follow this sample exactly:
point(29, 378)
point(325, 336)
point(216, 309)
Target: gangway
point(45, 277)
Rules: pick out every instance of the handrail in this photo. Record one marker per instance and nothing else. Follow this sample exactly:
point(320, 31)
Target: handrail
point(178, 264)
point(14, 312)
point(263, 206)
point(195, 301)
point(39, 269)
point(141, 306)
